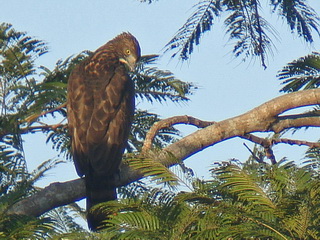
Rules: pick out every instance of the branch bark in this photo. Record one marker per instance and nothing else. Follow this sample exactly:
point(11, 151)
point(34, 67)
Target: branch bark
point(265, 118)
point(170, 122)
point(267, 144)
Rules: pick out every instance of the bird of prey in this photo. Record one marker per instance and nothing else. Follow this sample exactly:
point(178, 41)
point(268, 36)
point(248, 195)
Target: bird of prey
point(100, 112)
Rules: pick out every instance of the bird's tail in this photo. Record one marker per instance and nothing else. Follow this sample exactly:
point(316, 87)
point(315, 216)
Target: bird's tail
point(98, 189)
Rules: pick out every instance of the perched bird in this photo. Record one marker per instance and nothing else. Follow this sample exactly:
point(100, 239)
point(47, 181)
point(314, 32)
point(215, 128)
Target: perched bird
point(100, 112)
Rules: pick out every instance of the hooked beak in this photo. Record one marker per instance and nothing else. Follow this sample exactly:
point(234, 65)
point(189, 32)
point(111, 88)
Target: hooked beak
point(129, 62)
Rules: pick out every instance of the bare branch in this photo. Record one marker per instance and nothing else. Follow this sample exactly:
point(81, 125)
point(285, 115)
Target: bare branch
point(258, 159)
point(35, 116)
point(42, 127)
point(32, 129)
point(268, 143)
point(265, 142)
point(168, 123)
point(297, 142)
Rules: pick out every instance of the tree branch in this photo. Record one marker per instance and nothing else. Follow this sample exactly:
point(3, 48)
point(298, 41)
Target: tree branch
point(265, 143)
point(55, 195)
point(168, 123)
point(35, 116)
point(264, 118)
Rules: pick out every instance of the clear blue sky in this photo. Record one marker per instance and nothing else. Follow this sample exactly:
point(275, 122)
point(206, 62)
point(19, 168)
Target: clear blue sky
point(227, 87)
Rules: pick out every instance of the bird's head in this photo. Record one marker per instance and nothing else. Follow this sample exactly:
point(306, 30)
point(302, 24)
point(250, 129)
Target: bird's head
point(128, 50)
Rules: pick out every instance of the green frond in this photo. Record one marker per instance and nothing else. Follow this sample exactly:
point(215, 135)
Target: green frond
point(143, 216)
point(60, 140)
point(77, 236)
point(299, 223)
point(189, 35)
point(18, 53)
point(51, 93)
point(249, 29)
point(64, 220)
point(300, 74)
point(279, 201)
point(153, 169)
point(133, 190)
point(250, 33)
point(10, 164)
point(154, 84)
point(46, 97)
point(312, 161)
point(300, 17)
point(207, 234)
point(45, 166)
point(239, 182)
point(23, 227)
point(137, 220)
point(185, 175)
point(13, 172)
point(22, 184)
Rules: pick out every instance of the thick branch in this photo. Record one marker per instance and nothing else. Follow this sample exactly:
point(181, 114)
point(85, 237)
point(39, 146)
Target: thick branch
point(264, 118)
point(55, 195)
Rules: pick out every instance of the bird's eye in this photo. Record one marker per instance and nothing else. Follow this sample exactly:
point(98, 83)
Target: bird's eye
point(128, 52)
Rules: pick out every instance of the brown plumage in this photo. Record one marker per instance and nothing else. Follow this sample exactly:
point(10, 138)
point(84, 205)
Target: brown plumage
point(100, 111)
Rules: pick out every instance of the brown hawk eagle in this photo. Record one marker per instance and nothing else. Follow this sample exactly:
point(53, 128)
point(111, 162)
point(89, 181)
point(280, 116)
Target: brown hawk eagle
point(100, 112)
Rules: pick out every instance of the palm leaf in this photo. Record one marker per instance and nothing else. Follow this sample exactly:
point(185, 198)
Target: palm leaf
point(303, 73)
point(249, 29)
point(196, 25)
point(64, 221)
point(23, 227)
point(299, 15)
point(154, 84)
point(153, 169)
point(243, 185)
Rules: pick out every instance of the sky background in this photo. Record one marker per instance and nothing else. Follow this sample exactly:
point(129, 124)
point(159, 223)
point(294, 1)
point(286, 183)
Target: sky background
point(227, 87)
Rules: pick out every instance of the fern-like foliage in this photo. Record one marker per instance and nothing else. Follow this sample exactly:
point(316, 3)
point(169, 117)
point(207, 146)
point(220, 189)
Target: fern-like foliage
point(312, 160)
point(51, 93)
point(23, 227)
point(18, 54)
point(300, 17)
point(279, 189)
point(196, 25)
point(151, 216)
point(248, 200)
point(241, 183)
point(249, 30)
point(250, 33)
point(300, 74)
point(154, 84)
point(64, 220)
point(153, 169)
point(23, 184)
